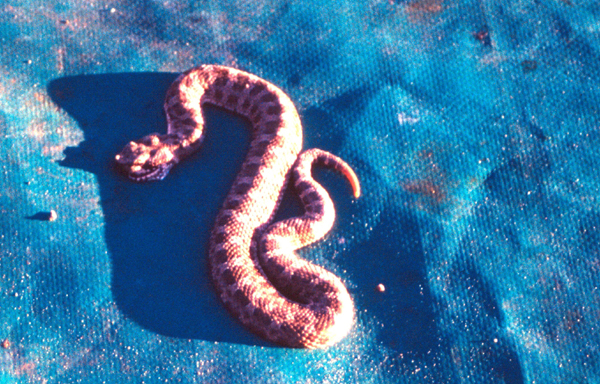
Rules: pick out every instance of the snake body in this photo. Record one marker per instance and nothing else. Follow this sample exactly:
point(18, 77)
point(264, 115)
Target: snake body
point(256, 274)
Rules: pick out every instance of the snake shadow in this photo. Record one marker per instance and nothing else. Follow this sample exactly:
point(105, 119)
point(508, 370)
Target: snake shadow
point(156, 233)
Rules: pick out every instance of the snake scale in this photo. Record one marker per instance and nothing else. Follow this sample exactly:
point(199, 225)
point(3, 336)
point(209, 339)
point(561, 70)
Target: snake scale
point(255, 271)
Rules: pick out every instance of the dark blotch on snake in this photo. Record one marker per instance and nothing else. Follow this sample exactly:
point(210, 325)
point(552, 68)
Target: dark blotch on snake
point(311, 197)
point(278, 269)
point(261, 146)
point(322, 286)
point(289, 331)
point(267, 98)
point(221, 256)
point(172, 92)
point(250, 169)
point(178, 109)
point(242, 188)
point(221, 80)
point(218, 94)
point(261, 317)
point(258, 88)
point(315, 206)
point(256, 118)
point(219, 238)
point(302, 186)
point(228, 277)
point(256, 152)
point(241, 298)
point(239, 84)
point(271, 126)
point(189, 121)
point(223, 219)
point(232, 204)
point(274, 109)
point(189, 82)
point(297, 280)
point(232, 101)
point(326, 162)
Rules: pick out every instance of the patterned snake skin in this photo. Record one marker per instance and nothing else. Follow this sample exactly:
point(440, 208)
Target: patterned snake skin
point(277, 295)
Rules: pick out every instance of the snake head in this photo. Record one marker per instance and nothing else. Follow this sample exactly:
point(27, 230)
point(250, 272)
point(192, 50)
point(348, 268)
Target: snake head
point(151, 158)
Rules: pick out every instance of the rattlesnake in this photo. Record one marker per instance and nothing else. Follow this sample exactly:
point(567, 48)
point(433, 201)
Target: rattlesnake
point(256, 274)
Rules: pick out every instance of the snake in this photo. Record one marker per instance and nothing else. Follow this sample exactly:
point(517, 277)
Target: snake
point(256, 273)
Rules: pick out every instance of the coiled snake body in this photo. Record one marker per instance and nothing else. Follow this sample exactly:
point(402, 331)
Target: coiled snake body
point(279, 296)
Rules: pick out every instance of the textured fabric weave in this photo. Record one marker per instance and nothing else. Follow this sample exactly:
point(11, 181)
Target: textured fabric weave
point(473, 127)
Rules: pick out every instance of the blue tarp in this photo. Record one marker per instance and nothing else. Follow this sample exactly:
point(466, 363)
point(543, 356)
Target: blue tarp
point(473, 126)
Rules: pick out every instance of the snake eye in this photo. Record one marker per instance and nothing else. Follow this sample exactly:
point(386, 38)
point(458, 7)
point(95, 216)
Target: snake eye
point(147, 141)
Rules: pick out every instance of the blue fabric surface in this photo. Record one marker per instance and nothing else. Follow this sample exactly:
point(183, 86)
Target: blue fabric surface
point(473, 127)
